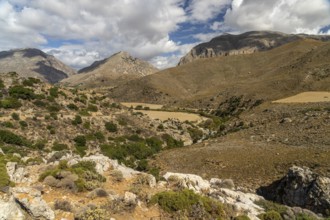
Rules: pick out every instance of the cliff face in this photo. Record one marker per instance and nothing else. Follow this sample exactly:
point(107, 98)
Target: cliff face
point(247, 43)
point(34, 63)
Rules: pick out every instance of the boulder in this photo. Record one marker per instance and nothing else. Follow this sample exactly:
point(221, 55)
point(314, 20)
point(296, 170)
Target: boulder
point(130, 198)
point(17, 174)
point(190, 181)
point(30, 199)
point(10, 210)
point(300, 187)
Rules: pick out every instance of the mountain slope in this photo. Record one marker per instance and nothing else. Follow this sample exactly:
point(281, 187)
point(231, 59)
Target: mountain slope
point(246, 43)
point(119, 68)
point(286, 70)
point(34, 63)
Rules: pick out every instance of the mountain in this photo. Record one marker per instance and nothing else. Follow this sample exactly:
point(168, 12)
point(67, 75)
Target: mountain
point(246, 43)
point(287, 70)
point(119, 68)
point(32, 62)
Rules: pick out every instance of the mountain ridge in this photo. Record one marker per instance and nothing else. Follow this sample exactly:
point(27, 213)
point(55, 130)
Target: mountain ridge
point(32, 62)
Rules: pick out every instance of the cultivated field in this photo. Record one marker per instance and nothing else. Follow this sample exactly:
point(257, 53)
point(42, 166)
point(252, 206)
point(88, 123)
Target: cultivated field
point(163, 115)
point(305, 97)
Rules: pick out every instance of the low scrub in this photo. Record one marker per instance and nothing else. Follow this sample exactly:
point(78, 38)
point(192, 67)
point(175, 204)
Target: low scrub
point(9, 137)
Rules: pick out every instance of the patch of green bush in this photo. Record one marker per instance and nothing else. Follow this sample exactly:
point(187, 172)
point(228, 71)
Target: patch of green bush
point(81, 142)
point(242, 217)
point(270, 215)
point(40, 104)
point(59, 147)
point(196, 134)
point(15, 116)
point(23, 124)
point(77, 120)
point(54, 108)
point(272, 206)
point(73, 107)
point(171, 142)
point(92, 108)
point(30, 81)
point(10, 138)
point(20, 92)
point(7, 124)
point(187, 201)
point(53, 92)
point(111, 127)
point(10, 102)
point(4, 180)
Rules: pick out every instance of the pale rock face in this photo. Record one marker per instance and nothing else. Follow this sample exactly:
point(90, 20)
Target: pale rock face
point(34, 63)
point(246, 43)
point(190, 181)
point(10, 210)
point(32, 201)
point(17, 174)
point(130, 198)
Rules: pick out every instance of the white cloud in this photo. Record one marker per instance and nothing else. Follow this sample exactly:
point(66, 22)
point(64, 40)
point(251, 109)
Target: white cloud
point(290, 16)
point(204, 10)
point(140, 27)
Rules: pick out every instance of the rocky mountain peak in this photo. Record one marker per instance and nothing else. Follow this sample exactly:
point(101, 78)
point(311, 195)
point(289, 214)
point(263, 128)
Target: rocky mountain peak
point(246, 43)
point(32, 62)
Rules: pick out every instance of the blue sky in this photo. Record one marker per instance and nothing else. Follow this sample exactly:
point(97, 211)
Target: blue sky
point(161, 31)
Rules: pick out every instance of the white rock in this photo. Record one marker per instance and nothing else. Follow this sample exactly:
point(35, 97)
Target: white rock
point(190, 181)
point(10, 210)
point(1, 152)
point(31, 200)
point(130, 198)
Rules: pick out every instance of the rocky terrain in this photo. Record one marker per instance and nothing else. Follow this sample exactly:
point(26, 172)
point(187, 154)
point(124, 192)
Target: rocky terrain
point(119, 68)
point(246, 43)
point(34, 63)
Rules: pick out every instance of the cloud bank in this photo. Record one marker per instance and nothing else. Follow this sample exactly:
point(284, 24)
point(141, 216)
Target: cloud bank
point(80, 32)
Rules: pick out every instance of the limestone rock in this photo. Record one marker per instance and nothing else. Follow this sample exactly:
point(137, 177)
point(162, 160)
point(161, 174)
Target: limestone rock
point(130, 198)
point(190, 181)
point(30, 199)
point(10, 210)
point(300, 187)
point(17, 174)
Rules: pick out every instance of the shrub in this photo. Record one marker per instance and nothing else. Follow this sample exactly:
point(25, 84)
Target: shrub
point(92, 108)
point(80, 140)
point(2, 85)
point(10, 102)
point(59, 147)
point(242, 217)
point(77, 120)
point(40, 103)
point(84, 112)
point(54, 108)
point(272, 206)
point(155, 144)
point(111, 127)
point(171, 142)
point(195, 134)
point(7, 124)
point(31, 81)
point(92, 213)
point(99, 136)
point(23, 124)
point(73, 107)
point(15, 116)
point(63, 205)
point(87, 125)
point(187, 200)
point(270, 215)
point(53, 92)
point(4, 180)
point(11, 138)
point(20, 92)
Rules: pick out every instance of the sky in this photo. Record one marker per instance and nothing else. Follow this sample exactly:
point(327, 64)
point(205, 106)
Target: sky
point(79, 32)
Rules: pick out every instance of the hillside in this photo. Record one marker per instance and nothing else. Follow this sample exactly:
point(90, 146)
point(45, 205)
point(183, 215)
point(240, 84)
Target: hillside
point(287, 70)
point(119, 68)
point(246, 43)
point(34, 63)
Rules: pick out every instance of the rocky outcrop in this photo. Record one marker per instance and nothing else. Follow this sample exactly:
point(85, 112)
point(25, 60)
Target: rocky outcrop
point(32, 62)
point(301, 187)
point(246, 43)
point(119, 68)
point(30, 200)
point(9, 209)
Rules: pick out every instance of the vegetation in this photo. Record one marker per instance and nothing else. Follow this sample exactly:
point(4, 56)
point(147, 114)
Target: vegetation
point(111, 127)
point(10, 138)
point(20, 92)
point(171, 142)
point(77, 120)
point(270, 215)
point(10, 103)
point(186, 200)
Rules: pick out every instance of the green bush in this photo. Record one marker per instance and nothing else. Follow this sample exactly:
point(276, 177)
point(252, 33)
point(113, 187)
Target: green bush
point(4, 180)
point(272, 206)
point(2, 85)
point(92, 108)
point(40, 103)
point(11, 138)
point(20, 92)
point(15, 116)
point(54, 108)
point(171, 142)
point(59, 147)
point(10, 102)
point(7, 124)
point(53, 92)
point(23, 124)
point(111, 127)
point(31, 81)
point(195, 134)
point(185, 200)
point(77, 120)
point(80, 140)
point(155, 144)
point(270, 215)
point(242, 217)
point(73, 107)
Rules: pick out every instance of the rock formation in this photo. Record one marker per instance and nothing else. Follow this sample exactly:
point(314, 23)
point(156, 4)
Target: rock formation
point(246, 43)
point(301, 187)
point(34, 63)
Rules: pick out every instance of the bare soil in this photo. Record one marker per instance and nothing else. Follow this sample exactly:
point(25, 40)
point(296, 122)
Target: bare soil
point(164, 115)
point(306, 97)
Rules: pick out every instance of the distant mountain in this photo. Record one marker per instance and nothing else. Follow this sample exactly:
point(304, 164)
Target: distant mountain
point(32, 62)
point(287, 70)
point(246, 43)
point(119, 68)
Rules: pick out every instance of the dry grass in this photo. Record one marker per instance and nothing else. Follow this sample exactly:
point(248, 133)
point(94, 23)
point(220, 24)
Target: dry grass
point(306, 97)
point(181, 116)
